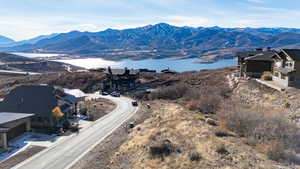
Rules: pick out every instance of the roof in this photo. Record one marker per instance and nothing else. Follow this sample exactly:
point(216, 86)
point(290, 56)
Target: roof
point(121, 71)
point(75, 92)
point(10, 117)
point(38, 100)
point(72, 99)
point(262, 56)
point(293, 53)
point(285, 70)
point(247, 54)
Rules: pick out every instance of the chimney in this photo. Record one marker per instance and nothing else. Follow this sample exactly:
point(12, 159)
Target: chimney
point(127, 72)
point(109, 70)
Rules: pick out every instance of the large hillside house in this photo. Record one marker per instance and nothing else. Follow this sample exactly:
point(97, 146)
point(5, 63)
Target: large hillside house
point(287, 68)
point(284, 65)
point(255, 63)
point(51, 106)
point(121, 79)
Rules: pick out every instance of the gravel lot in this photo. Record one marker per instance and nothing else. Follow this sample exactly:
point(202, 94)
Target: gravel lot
point(14, 160)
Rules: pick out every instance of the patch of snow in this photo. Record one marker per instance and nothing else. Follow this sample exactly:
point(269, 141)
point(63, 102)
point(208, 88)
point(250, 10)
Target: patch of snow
point(22, 142)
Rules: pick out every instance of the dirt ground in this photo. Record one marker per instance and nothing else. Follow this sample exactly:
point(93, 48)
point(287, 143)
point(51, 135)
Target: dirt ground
point(14, 160)
point(100, 156)
point(97, 108)
point(189, 134)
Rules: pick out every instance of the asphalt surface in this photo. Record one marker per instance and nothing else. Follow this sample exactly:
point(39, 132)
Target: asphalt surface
point(18, 72)
point(64, 154)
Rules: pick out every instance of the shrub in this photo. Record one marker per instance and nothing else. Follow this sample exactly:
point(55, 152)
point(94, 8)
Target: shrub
point(267, 76)
point(276, 153)
point(165, 148)
point(195, 156)
point(221, 149)
point(263, 128)
point(170, 92)
point(223, 133)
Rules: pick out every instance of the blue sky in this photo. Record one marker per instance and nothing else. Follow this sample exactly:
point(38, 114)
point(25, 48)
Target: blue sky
point(23, 19)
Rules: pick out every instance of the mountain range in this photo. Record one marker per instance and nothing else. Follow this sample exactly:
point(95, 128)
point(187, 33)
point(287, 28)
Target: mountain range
point(161, 40)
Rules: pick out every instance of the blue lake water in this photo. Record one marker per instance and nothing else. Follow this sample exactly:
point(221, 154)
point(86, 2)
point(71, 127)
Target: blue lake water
point(179, 65)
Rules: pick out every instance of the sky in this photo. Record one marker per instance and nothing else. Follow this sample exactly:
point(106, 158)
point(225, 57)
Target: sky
point(24, 19)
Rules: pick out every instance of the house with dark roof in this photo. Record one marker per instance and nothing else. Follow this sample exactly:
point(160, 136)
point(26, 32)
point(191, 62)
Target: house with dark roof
point(287, 68)
point(50, 105)
point(255, 63)
point(121, 79)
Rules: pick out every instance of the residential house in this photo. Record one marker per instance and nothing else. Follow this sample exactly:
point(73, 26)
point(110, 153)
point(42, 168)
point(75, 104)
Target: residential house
point(51, 106)
point(287, 68)
point(255, 63)
point(121, 79)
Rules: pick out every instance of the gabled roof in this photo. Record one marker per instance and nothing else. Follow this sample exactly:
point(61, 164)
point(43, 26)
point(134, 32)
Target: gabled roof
point(247, 54)
point(75, 92)
point(293, 53)
point(262, 56)
point(38, 100)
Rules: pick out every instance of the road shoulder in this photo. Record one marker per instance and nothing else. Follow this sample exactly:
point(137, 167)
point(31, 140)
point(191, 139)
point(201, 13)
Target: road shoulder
point(100, 156)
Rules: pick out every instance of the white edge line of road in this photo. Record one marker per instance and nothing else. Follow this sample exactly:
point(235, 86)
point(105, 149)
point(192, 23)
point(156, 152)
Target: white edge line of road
point(47, 149)
point(98, 142)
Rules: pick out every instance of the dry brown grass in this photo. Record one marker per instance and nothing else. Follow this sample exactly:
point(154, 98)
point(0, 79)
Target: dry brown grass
point(194, 144)
point(87, 82)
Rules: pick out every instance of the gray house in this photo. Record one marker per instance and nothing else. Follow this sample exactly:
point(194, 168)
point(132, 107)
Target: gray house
point(287, 68)
point(50, 105)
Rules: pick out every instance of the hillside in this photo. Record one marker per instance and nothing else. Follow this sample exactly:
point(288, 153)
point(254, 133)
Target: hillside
point(20, 63)
point(5, 40)
point(202, 120)
point(164, 40)
point(9, 58)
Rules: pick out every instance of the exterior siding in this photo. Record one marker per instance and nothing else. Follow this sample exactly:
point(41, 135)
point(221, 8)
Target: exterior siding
point(257, 68)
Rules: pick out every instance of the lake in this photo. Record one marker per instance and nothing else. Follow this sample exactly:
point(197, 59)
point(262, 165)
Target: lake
point(179, 65)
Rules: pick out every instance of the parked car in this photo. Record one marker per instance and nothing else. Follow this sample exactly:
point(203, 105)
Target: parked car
point(104, 93)
point(134, 103)
point(115, 94)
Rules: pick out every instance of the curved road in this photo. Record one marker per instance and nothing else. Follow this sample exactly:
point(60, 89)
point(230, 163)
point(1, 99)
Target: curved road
point(66, 153)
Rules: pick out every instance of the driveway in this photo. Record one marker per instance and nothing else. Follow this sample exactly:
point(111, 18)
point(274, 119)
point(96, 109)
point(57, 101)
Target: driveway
point(64, 154)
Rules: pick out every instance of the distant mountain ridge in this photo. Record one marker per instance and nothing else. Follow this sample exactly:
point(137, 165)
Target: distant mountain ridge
point(164, 40)
point(5, 40)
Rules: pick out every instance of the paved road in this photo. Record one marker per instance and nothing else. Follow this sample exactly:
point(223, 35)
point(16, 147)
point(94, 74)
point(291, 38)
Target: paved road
point(65, 154)
point(18, 72)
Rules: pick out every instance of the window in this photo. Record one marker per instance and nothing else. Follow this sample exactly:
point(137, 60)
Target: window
point(288, 64)
point(283, 77)
point(276, 74)
point(292, 78)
